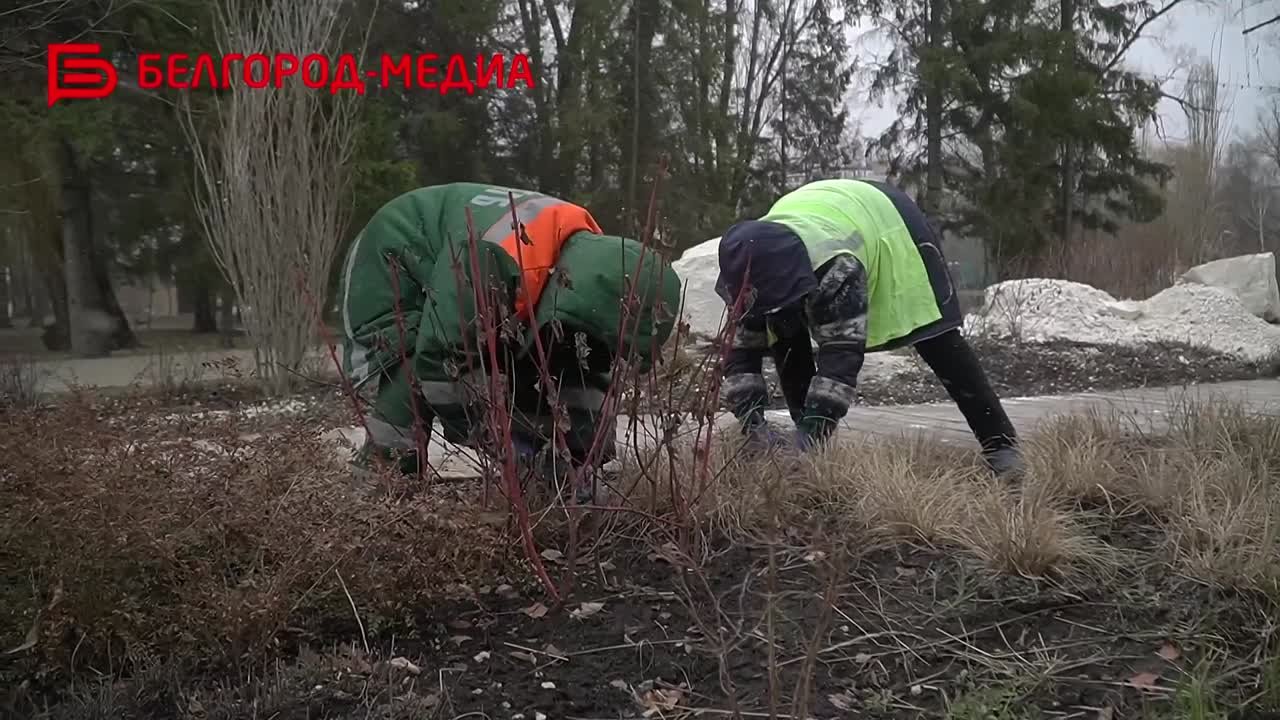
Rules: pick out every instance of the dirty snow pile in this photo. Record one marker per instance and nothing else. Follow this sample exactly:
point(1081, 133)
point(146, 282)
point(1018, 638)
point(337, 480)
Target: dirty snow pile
point(702, 308)
point(1198, 315)
point(706, 313)
point(1219, 306)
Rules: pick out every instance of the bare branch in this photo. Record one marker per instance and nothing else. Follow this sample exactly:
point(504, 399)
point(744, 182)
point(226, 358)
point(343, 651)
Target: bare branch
point(1137, 34)
point(1261, 25)
point(274, 178)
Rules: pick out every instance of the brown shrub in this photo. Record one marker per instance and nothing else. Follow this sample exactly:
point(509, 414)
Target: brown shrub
point(222, 549)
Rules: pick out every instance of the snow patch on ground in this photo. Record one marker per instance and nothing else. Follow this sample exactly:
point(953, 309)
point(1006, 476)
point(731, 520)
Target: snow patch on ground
point(273, 408)
point(447, 459)
point(1039, 309)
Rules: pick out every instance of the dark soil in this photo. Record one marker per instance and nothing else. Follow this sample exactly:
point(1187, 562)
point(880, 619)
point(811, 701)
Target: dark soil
point(909, 625)
point(897, 631)
point(908, 632)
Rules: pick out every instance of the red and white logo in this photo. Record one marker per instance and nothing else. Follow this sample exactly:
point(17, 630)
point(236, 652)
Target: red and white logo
point(77, 71)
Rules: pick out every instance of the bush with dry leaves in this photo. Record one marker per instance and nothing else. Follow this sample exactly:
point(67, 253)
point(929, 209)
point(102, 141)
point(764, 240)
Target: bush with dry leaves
point(118, 545)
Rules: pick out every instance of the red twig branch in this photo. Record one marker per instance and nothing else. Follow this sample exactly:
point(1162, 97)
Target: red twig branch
point(420, 434)
point(550, 391)
point(499, 420)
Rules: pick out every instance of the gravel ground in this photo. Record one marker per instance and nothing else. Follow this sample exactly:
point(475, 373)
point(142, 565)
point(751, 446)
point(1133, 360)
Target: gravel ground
point(1053, 368)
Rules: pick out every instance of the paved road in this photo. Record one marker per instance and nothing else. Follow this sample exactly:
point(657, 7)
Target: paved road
point(122, 371)
point(1147, 408)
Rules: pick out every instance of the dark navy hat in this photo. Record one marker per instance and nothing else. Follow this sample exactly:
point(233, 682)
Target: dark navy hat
point(780, 271)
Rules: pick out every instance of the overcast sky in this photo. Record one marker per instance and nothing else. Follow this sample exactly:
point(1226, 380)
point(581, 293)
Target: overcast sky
point(1249, 66)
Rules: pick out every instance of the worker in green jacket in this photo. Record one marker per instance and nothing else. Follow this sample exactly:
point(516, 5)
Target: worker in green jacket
point(853, 267)
point(412, 295)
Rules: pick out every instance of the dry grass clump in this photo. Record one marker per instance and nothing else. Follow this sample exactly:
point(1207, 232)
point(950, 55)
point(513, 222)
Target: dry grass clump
point(1080, 456)
point(1031, 533)
point(907, 490)
point(19, 383)
point(224, 549)
point(1208, 484)
point(1224, 520)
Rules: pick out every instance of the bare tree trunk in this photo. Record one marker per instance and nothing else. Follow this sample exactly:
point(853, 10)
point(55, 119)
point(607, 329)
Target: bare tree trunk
point(6, 297)
point(32, 308)
point(9, 277)
point(227, 319)
point(1066, 199)
point(89, 329)
point(34, 303)
point(204, 317)
point(122, 335)
point(531, 23)
point(933, 118)
point(643, 93)
point(634, 116)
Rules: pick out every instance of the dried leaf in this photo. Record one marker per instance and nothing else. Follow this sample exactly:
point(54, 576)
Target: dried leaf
point(404, 664)
point(1169, 652)
point(619, 684)
point(536, 610)
point(492, 519)
point(527, 657)
point(656, 701)
point(1144, 681)
point(587, 609)
point(552, 555)
point(841, 701)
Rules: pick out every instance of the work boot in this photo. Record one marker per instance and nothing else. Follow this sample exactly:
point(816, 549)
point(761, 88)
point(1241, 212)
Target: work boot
point(370, 457)
point(764, 438)
point(556, 473)
point(1005, 462)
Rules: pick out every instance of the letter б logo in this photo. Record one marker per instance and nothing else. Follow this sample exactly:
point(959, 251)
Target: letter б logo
point(66, 79)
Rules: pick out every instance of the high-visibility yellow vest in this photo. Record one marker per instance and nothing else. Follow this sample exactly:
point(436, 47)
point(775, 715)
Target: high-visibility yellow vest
point(851, 217)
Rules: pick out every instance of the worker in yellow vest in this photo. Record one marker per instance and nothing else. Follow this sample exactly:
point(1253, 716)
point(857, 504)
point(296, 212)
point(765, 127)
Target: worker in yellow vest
point(853, 267)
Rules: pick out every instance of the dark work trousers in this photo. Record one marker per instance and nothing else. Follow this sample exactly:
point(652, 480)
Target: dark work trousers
point(950, 358)
point(955, 364)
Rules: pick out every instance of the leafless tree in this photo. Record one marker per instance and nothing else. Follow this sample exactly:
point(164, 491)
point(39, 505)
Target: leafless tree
point(1198, 214)
point(273, 175)
point(1269, 131)
point(1265, 200)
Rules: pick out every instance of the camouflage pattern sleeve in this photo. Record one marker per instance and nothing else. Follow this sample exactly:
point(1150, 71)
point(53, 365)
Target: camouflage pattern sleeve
point(744, 388)
point(837, 313)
